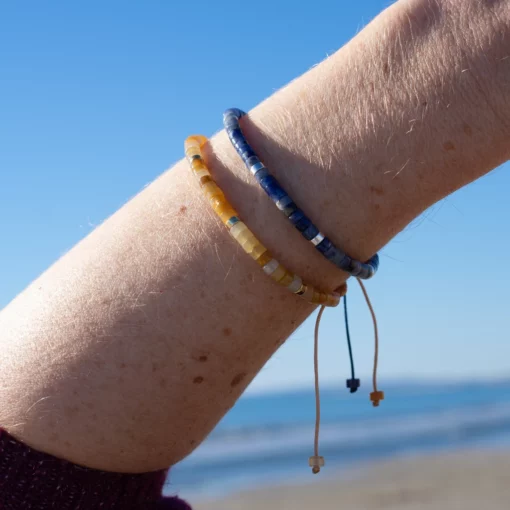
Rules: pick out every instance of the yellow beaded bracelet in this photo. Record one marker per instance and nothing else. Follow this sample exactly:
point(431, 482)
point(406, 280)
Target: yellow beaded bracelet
point(245, 237)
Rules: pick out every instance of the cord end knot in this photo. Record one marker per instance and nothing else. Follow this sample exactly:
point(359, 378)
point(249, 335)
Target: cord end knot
point(376, 397)
point(353, 384)
point(316, 462)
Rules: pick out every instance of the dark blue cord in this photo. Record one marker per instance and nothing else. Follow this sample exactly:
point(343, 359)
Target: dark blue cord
point(348, 337)
point(352, 383)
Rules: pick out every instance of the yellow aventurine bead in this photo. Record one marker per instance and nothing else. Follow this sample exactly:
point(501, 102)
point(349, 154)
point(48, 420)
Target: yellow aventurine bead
point(333, 300)
point(192, 151)
point(246, 237)
point(258, 252)
point(194, 141)
point(319, 298)
point(202, 173)
point(238, 229)
point(198, 164)
point(226, 216)
point(226, 213)
point(190, 143)
point(248, 242)
point(287, 279)
point(264, 258)
point(278, 273)
point(212, 190)
point(217, 201)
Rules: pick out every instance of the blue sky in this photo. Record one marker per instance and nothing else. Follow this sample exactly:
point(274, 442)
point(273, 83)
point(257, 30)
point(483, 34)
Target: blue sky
point(96, 99)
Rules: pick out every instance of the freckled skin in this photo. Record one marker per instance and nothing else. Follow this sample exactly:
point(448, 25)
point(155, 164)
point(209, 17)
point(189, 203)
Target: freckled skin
point(237, 379)
point(377, 191)
point(327, 136)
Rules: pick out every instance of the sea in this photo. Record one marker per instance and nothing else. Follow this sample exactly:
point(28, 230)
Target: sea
point(267, 439)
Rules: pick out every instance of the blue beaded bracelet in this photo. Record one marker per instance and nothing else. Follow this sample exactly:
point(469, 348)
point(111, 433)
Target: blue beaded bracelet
point(282, 200)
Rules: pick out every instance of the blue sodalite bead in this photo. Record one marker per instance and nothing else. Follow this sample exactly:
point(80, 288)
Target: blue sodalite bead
point(248, 153)
point(299, 220)
point(236, 134)
point(261, 175)
point(324, 245)
point(331, 252)
point(272, 187)
point(287, 206)
point(310, 232)
point(342, 260)
point(282, 200)
point(251, 161)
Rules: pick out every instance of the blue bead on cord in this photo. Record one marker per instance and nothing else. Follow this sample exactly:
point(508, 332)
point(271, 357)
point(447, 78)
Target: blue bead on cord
point(289, 208)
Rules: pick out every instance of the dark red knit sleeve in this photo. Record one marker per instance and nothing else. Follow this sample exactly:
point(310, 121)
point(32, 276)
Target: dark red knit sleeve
point(33, 480)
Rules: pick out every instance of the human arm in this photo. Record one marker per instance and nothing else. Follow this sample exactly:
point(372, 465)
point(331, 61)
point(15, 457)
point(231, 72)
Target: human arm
point(127, 351)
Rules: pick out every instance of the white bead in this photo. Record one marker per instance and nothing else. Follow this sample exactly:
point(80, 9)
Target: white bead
point(256, 167)
point(318, 239)
point(271, 267)
point(296, 283)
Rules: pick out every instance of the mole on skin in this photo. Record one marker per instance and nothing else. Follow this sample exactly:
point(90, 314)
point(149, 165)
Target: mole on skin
point(237, 379)
point(378, 191)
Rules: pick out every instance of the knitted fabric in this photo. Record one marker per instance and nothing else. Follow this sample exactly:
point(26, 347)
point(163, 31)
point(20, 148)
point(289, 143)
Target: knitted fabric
point(33, 480)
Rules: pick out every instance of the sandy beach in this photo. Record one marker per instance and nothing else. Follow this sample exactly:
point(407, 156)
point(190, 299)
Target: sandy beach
point(468, 480)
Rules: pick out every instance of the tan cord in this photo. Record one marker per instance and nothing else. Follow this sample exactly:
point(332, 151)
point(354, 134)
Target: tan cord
point(316, 469)
point(316, 461)
point(376, 351)
point(376, 396)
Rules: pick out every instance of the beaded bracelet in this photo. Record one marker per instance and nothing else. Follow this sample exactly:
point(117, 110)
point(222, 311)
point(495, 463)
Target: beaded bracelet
point(282, 200)
point(251, 245)
point(245, 237)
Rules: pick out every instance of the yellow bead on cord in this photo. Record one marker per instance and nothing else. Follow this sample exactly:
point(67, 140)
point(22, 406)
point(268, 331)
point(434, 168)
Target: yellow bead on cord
point(245, 237)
